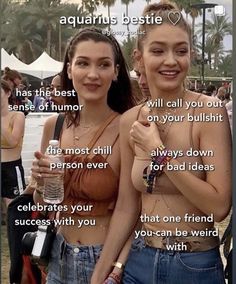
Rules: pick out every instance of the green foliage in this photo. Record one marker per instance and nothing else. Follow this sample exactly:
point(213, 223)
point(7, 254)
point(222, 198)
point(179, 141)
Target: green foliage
point(225, 66)
point(127, 2)
point(127, 49)
point(90, 6)
point(216, 29)
point(33, 26)
point(108, 4)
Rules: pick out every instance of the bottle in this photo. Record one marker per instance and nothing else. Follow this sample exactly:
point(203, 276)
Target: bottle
point(54, 186)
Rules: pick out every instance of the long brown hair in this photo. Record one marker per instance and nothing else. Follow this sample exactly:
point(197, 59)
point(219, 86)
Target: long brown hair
point(5, 86)
point(11, 75)
point(120, 96)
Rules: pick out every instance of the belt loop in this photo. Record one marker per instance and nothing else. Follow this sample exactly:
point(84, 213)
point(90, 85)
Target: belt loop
point(91, 253)
point(62, 252)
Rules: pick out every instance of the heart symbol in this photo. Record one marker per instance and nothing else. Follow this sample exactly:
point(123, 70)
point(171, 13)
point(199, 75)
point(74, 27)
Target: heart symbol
point(174, 17)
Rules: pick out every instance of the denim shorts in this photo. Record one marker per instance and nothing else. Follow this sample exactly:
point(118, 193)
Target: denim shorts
point(71, 264)
point(148, 265)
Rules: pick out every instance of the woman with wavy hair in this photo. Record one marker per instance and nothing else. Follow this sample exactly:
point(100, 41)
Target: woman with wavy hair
point(95, 68)
point(175, 168)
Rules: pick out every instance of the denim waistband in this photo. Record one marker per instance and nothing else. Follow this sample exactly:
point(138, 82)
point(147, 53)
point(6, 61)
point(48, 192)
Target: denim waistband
point(62, 247)
point(72, 263)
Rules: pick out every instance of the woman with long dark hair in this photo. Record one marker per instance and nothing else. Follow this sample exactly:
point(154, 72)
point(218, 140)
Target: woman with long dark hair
point(95, 68)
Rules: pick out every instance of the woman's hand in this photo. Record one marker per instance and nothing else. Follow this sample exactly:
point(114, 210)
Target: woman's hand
point(114, 277)
point(145, 135)
point(41, 168)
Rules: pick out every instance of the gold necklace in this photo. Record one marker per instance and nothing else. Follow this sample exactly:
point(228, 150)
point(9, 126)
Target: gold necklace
point(162, 120)
point(77, 137)
point(87, 130)
point(163, 126)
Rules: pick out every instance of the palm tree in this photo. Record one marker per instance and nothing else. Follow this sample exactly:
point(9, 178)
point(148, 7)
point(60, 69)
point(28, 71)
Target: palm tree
point(127, 2)
point(32, 27)
point(193, 12)
point(186, 5)
point(127, 49)
point(211, 50)
point(45, 14)
point(225, 65)
point(108, 4)
point(20, 37)
point(217, 29)
point(90, 6)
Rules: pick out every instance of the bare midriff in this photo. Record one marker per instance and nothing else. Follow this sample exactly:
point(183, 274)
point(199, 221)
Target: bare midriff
point(174, 206)
point(88, 233)
point(13, 154)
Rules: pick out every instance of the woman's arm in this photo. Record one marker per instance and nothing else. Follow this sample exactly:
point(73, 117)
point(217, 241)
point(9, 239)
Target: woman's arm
point(212, 195)
point(41, 166)
point(126, 212)
point(18, 126)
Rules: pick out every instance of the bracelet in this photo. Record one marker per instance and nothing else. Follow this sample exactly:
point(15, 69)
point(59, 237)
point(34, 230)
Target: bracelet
point(158, 164)
point(115, 276)
point(118, 265)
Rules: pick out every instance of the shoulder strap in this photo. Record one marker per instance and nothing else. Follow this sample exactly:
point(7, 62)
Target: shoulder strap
point(101, 129)
point(114, 142)
point(58, 126)
point(191, 124)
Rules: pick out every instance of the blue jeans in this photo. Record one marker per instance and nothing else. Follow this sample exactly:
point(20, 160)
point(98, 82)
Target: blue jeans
point(71, 264)
point(148, 265)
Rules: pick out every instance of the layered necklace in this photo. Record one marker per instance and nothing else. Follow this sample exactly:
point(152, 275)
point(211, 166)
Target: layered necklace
point(85, 130)
point(161, 119)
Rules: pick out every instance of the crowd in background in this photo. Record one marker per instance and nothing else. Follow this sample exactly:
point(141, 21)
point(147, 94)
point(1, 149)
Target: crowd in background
point(43, 102)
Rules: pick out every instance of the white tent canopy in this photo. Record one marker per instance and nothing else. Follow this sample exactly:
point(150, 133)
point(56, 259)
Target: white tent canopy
point(43, 67)
point(12, 62)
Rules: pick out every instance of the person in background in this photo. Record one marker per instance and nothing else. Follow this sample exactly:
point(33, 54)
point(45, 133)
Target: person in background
point(229, 108)
point(227, 98)
point(14, 80)
point(221, 93)
point(56, 87)
point(54, 98)
point(141, 77)
point(39, 102)
point(12, 133)
point(211, 90)
point(12, 172)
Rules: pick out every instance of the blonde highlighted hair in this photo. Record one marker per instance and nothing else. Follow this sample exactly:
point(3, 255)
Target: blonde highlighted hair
point(166, 10)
